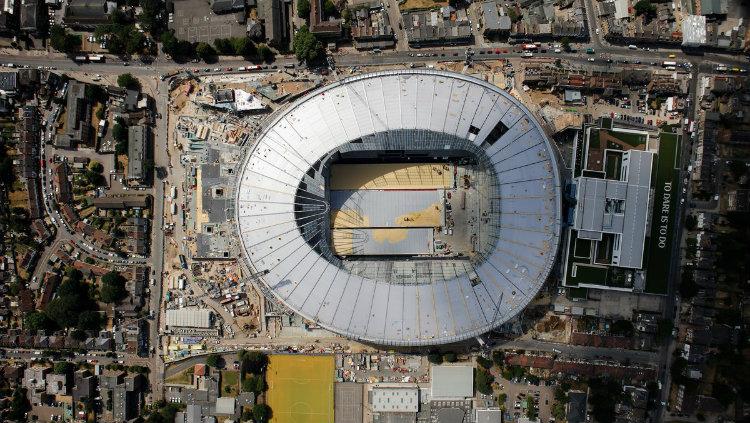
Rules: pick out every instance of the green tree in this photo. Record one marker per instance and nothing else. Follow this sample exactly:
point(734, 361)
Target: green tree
point(450, 357)
point(205, 52)
point(62, 41)
point(329, 8)
point(253, 361)
point(63, 368)
point(89, 320)
point(565, 43)
point(36, 320)
point(622, 328)
point(264, 53)
point(691, 222)
point(483, 381)
point(136, 43)
point(306, 46)
point(435, 358)
point(303, 9)
point(100, 113)
point(243, 46)
point(644, 7)
point(498, 357)
point(604, 394)
point(484, 362)
point(153, 16)
point(113, 288)
point(95, 166)
point(19, 405)
point(224, 46)
point(213, 360)
point(531, 410)
point(261, 413)
point(128, 81)
point(64, 310)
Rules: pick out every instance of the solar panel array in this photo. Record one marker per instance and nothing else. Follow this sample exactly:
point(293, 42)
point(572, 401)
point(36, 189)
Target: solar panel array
point(487, 292)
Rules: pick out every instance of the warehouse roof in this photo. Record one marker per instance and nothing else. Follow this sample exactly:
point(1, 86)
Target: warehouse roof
point(189, 317)
point(398, 400)
point(452, 382)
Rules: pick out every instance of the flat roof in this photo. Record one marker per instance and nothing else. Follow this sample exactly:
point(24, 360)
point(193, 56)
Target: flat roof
point(452, 382)
point(400, 400)
point(618, 207)
point(189, 317)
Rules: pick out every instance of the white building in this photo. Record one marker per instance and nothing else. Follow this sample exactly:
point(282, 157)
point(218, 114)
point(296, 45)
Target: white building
point(452, 382)
point(397, 400)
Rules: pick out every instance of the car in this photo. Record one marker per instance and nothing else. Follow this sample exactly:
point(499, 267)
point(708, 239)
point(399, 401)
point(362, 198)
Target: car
point(228, 69)
point(497, 51)
point(217, 69)
point(207, 70)
point(126, 64)
point(591, 59)
point(672, 56)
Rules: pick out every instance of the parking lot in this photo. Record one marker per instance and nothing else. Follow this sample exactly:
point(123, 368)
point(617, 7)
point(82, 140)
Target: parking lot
point(518, 392)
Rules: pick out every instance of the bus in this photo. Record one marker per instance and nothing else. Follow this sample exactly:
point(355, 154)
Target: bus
point(667, 63)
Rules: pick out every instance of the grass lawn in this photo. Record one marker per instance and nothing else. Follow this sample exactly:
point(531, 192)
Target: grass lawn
point(300, 388)
point(185, 377)
point(666, 175)
point(231, 379)
point(591, 275)
point(634, 140)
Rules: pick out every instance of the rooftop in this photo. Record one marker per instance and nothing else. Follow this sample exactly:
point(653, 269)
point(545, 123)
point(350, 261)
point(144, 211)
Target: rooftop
point(450, 381)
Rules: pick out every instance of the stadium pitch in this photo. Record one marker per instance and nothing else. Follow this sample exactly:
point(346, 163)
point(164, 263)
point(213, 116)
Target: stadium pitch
point(300, 388)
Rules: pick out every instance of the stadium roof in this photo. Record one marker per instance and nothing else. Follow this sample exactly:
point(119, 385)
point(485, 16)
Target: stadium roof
point(452, 382)
point(392, 108)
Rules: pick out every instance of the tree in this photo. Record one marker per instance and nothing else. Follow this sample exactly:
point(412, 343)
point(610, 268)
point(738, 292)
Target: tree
point(100, 113)
point(243, 46)
point(303, 9)
point(644, 7)
point(63, 368)
point(153, 16)
point(253, 361)
point(205, 52)
point(605, 393)
point(484, 362)
point(254, 383)
point(449, 357)
point(622, 328)
point(64, 310)
point(89, 320)
point(128, 81)
point(19, 405)
point(531, 411)
point(113, 287)
point(691, 222)
point(261, 413)
point(483, 381)
point(498, 357)
point(435, 358)
point(135, 43)
point(36, 320)
point(213, 360)
point(224, 46)
point(95, 166)
point(306, 46)
point(565, 43)
point(62, 41)
point(329, 8)
point(264, 53)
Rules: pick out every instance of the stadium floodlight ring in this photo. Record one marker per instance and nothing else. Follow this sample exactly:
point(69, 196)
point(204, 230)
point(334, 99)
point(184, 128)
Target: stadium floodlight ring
point(280, 251)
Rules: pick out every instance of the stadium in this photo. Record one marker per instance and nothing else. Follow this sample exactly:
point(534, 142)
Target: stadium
point(403, 208)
